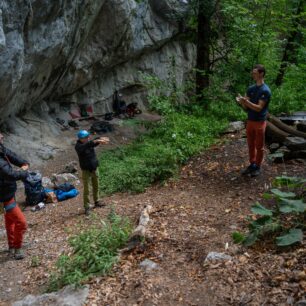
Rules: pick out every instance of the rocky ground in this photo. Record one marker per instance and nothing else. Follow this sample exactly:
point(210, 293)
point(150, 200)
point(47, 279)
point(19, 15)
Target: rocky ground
point(191, 216)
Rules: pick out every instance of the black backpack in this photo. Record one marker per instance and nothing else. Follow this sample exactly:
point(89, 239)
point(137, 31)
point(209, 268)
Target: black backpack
point(34, 190)
point(65, 187)
point(100, 127)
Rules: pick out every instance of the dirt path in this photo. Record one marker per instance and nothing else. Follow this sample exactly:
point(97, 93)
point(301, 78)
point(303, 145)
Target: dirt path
point(191, 216)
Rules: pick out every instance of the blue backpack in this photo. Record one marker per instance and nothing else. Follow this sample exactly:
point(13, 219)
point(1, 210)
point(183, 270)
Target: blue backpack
point(34, 190)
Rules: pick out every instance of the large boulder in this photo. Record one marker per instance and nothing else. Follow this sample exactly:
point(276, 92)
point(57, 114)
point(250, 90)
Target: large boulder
point(68, 296)
point(295, 143)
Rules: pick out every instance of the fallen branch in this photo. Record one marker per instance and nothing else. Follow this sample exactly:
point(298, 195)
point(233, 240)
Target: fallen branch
point(286, 128)
point(274, 134)
point(139, 232)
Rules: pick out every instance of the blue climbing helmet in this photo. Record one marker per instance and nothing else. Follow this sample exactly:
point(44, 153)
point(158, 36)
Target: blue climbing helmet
point(83, 134)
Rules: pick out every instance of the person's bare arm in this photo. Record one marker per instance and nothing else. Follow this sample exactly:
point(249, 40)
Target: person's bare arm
point(102, 140)
point(245, 101)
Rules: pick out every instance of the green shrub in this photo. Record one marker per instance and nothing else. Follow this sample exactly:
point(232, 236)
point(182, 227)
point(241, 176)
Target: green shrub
point(286, 218)
point(290, 96)
point(94, 251)
point(157, 155)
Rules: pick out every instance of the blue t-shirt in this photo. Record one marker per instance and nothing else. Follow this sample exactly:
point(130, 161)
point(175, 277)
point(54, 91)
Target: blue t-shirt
point(256, 93)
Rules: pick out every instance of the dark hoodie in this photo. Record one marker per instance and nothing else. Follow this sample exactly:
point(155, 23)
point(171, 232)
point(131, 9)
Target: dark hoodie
point(87, 155)
point(9, 176)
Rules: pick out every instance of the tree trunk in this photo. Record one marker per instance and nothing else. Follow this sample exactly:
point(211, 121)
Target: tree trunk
point(290, 52)
point(203, 47)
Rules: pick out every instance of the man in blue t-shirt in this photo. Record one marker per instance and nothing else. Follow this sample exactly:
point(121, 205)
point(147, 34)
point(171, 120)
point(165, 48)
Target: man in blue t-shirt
point(256, 104)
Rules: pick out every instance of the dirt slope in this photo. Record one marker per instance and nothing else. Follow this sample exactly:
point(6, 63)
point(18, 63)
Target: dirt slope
point(191, 216)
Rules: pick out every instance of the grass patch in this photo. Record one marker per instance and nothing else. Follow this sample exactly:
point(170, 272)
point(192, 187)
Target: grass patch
point(94, 252)
point(157, 155)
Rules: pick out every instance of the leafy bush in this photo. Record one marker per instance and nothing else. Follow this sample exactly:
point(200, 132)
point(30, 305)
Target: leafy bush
point(291, 95)
point(286, 218)
point(185, 130)
point(94, 252)
point(157, 155)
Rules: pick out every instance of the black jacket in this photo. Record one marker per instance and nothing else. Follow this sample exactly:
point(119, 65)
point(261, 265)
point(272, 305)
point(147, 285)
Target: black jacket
point(9, 176)
point(87, 155)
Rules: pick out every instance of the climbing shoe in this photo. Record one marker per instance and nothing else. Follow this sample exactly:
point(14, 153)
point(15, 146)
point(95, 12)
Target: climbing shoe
point(249, 169)
point(256, 172)
point(19, 254)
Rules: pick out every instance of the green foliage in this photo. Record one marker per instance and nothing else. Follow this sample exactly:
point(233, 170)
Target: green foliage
point(258, 209)
point(185, 130)
point(291, 95)
point(288, 206)
point(285, 218)
point(157, 155)
point(238, 237)
point(293, 236)
point(244, 33)
point(289, 181)
point(164, 96)
point(94, 251)
point(280, 194)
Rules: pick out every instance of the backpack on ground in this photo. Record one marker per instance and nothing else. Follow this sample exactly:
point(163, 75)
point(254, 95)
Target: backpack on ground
point(100, 127)
point(34, 190)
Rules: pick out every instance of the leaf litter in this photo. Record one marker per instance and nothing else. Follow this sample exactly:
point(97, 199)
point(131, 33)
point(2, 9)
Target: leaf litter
point(191, 217)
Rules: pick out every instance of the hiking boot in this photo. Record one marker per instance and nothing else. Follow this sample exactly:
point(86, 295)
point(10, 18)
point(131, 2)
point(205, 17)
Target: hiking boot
point(99, 203)
point(19, 254)
point(249, 169)
point(87, 211)
point(256, 172)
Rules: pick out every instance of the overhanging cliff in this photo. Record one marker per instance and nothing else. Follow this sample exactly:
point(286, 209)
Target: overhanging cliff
point(80, 51)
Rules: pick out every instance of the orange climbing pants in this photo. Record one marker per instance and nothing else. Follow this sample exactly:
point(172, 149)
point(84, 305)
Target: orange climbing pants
point(256, 141)
point(15, 224)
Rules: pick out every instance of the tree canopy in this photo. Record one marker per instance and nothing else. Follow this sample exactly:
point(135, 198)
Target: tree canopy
point(233, 35)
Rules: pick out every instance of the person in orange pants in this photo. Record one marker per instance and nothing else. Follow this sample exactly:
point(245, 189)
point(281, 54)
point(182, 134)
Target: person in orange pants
point(256, 104)
point(16, 226)
point(15, 221)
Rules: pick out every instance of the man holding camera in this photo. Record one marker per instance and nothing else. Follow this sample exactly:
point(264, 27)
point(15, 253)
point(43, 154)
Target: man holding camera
point(256, 104)
point(85, 148)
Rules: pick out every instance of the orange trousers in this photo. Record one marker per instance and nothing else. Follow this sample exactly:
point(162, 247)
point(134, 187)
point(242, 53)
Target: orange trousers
point(256, 141)
point(15, 224)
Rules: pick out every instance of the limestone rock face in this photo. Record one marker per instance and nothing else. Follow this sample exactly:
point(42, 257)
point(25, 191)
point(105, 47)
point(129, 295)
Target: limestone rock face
point(80, 51)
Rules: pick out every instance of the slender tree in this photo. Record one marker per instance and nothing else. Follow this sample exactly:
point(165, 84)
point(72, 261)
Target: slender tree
point(206, 9)
point(290, 50)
